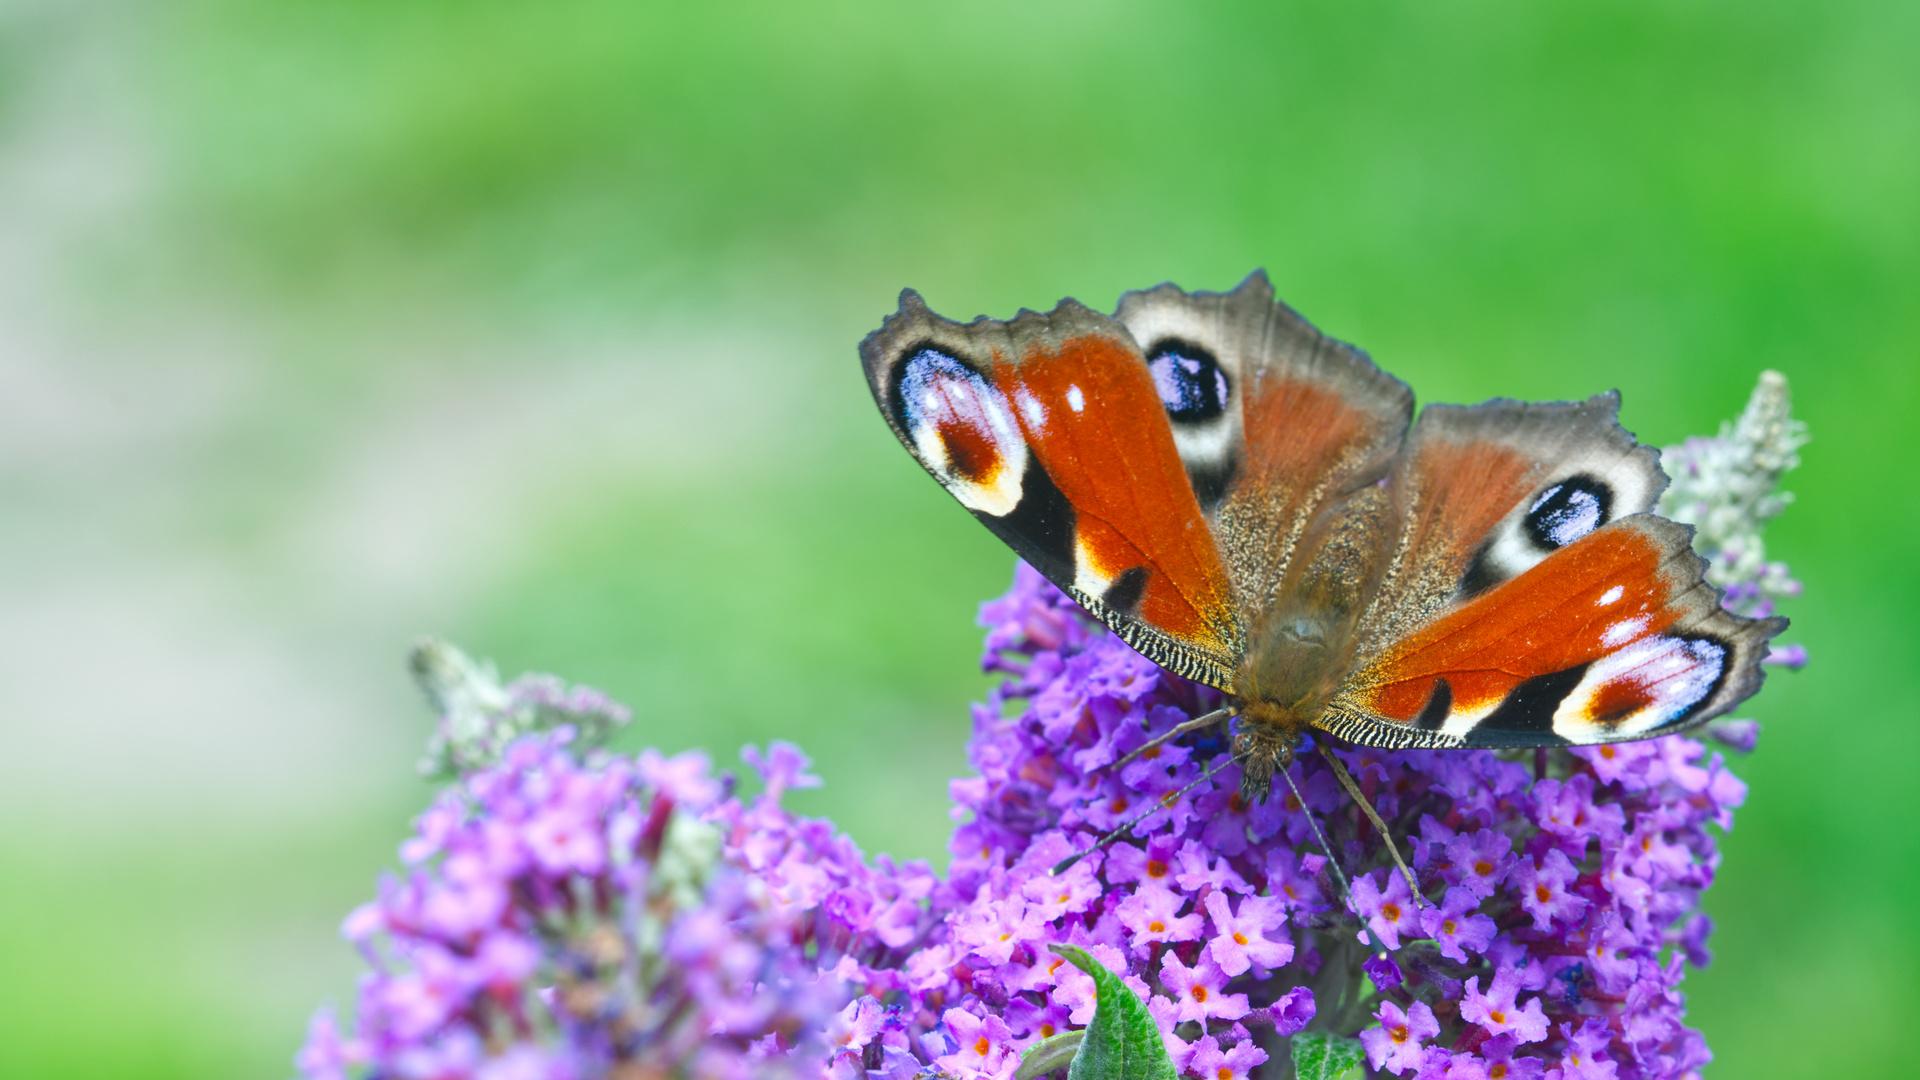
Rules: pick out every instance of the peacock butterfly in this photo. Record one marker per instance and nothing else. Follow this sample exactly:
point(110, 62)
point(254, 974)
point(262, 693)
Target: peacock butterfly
point(1252, 505)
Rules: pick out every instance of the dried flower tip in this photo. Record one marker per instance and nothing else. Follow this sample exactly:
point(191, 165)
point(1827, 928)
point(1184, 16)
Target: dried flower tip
point(479, 716)
point(1724, 486)
point(466, 695)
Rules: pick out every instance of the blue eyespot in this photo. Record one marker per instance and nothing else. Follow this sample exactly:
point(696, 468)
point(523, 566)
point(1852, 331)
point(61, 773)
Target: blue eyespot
point(1191, 384)
point(1568, 511)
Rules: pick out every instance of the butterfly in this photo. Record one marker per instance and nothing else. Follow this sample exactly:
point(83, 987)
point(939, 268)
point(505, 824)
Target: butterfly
point(1253, 505)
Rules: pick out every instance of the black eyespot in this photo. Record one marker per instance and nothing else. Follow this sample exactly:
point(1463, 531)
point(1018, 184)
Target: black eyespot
point(1438, 707)
point(1568, 511)
point(1125, 592)
point(1525, 715)
point(1191, 384)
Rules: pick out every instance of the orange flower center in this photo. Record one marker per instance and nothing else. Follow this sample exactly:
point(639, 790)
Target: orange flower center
point(1497, 1016)
point(1482, 867)
point(1398, 1034)
point(1446, 926)
point(1545, 894)
point(1236, 804)
point(1156, 868)
point(1391, 912)
point(982, 1046)
point(1239, 938)
point(1157, 927)
point(1118, 805)
point(1199, 993)
point(1224, 1073)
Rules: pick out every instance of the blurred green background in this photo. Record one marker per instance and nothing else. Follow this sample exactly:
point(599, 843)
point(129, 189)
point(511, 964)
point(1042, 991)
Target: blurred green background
point(325, 323)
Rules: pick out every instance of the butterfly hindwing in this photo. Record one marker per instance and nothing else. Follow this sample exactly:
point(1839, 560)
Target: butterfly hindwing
point(1486, 492)
point(1274, 420)
point(1050, 429)
point(1615, 635)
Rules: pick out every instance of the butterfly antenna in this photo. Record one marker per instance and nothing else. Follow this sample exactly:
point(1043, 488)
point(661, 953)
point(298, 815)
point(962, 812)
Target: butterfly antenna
point(1353, 789)
point(1195, 724)
point(1314, 822)
point(1333, 864)
point(1160, 804)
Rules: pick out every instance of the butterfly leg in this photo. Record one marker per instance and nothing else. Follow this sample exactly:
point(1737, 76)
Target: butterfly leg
point(1333, 865)
point(1353, 789)
point(1127, 826)
point(1195, 724)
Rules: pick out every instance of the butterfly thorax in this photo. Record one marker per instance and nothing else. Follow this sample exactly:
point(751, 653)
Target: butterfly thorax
point(1290, 672)
point(1302, 648)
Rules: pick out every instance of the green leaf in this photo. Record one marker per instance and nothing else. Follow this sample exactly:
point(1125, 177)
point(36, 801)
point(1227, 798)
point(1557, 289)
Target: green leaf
point(1322, 1055)
point(1122, 1042)
point(1047, 1055)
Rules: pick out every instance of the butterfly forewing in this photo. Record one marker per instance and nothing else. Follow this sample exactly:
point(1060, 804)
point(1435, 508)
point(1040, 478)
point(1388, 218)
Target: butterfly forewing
point(1051, 430)
point(1615, 635)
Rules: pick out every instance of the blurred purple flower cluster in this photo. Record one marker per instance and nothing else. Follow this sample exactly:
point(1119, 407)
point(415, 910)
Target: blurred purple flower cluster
point(568, 917)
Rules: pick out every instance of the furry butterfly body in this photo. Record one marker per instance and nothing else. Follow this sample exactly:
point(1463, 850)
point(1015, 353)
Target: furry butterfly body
point(1252, 505)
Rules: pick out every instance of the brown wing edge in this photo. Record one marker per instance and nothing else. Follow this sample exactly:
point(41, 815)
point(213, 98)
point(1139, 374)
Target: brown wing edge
point(1703, 613)
point(1588, 429)
point(914, 322)
point(1252, 330)
point(1252, 306)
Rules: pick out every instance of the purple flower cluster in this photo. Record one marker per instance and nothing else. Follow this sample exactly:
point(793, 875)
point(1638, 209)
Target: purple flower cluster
point(1556, 906)
point(566, 917)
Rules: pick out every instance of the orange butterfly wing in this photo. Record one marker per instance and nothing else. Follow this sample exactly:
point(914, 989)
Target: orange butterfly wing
point(1615, 636)
point(1050, 429)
